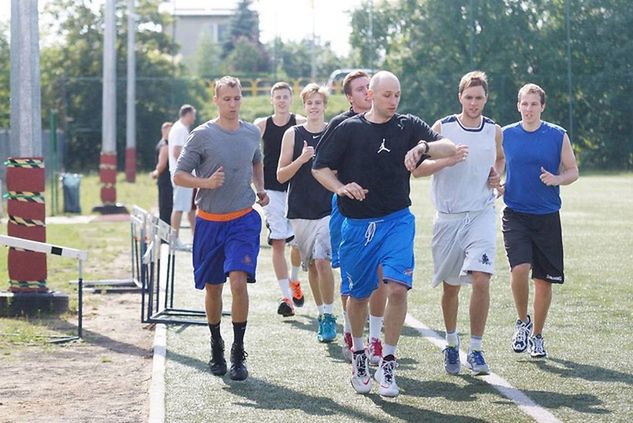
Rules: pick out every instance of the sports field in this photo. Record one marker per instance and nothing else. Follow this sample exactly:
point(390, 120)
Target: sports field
point(588, 377)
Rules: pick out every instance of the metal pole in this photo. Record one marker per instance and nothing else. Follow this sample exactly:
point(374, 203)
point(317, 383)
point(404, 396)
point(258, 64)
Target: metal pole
point(53, 168)
point(108, 130)
point(570, 99)
point(130, 133)
point(26, 112)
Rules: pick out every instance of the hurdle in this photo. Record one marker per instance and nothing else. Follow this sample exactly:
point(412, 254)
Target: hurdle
point(41, 247)
point(148, 233)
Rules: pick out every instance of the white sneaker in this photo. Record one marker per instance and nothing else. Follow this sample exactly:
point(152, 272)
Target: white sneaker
point(386, 377)
point(536, 347)
point(361, 382)
point(180, 246)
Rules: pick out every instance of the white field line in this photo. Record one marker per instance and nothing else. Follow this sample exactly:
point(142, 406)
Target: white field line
point(157, 387)
point(528, 406)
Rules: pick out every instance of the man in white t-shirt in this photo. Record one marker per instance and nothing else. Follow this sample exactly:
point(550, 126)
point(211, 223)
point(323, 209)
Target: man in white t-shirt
point(183, 197)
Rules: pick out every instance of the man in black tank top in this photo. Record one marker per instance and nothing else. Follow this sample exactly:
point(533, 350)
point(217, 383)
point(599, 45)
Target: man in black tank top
point(280, 231)
point(162, 175)
point(309, 206)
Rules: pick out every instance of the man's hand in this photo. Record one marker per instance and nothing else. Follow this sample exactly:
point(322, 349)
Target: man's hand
point(216, 180)
point(262, 198)
point(548, 178)
point(411, 160)
point(353, 191)
point(460, 155)
point(306, 153)
point(494, 179)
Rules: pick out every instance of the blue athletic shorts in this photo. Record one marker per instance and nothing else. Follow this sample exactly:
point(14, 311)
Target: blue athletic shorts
point(223, 247)
point(366, 243)
point(336, 221)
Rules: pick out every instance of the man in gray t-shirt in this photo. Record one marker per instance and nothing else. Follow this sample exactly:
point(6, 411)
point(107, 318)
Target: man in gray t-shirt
point(225, 154)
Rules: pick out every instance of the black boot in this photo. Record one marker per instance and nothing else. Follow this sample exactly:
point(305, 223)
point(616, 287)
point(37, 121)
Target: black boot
point(238, 363)
point(217, 364)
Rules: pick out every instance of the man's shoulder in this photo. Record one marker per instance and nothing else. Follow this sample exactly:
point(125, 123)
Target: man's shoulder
point(554, 128)
point(512, 127)
point(249, 128)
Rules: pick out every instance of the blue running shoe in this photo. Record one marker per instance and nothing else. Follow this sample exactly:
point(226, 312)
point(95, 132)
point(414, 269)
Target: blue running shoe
point(327, 328)
point(477, 363)
point(451, 360)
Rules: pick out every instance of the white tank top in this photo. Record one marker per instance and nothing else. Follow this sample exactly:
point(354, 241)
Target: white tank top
point(464, 186)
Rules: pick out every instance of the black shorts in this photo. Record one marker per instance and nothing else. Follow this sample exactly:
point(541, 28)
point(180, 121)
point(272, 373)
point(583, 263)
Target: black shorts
point(535, 239)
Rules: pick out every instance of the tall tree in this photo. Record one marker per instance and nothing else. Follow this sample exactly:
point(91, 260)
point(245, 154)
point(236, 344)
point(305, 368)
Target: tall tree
point(244, 24)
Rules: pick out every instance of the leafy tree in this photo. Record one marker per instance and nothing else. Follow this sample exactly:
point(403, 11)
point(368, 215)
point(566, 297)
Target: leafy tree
point(207, 57)
point(244, 24)
point(247, 57)
point(293, 58)
point(72, 72)
point(430, 44)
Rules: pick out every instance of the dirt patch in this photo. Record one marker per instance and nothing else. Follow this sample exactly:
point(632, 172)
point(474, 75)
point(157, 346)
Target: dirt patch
point(103, 378)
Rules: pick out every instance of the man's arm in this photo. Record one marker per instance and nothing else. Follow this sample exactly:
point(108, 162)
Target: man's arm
point(434, 150)
point(258, 181)
point(429, 167)
point(327, 178)
point(162, 164)
point(568, 170)
point(184, 179)
point(261, 125)
point(287, 168)
point(494, 178)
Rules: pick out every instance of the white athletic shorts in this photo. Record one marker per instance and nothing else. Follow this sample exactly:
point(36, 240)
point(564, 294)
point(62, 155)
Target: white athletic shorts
point(275, 212)
point(313, 239)
point(183, 198)
point(463, 243)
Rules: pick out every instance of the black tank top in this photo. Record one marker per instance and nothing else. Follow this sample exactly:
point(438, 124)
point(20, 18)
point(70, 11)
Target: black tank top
point(307, 199)
point(272, 149)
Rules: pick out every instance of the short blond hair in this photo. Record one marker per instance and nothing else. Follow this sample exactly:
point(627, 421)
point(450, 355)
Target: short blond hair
point(281, 85)
point(474, 79)
point(227, 81)
point(311, 89)
point(531, 89)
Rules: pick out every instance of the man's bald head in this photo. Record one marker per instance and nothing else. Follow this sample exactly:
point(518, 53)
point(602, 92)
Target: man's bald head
point(384, 79)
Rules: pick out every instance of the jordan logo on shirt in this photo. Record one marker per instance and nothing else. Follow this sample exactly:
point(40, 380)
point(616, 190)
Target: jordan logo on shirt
point(383, 148)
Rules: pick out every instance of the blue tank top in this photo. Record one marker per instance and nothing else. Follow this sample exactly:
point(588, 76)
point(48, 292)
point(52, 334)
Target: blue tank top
point(526, 152)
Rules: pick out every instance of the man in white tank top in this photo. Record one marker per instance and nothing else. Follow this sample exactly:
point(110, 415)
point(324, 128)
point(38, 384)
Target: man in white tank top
point(464, 230)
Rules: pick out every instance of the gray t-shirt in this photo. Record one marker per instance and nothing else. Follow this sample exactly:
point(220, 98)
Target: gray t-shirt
point(208, 147)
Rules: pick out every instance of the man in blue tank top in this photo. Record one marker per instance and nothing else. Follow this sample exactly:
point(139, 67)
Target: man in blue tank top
point(280, 232)
point(464, 229)
point(373, 155)
point(539, 158)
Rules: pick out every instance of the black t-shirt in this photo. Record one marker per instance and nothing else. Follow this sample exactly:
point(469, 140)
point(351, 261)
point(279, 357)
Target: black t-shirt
point(272, 137)
point(307, 198)
point(164, 179)
point(372, 155)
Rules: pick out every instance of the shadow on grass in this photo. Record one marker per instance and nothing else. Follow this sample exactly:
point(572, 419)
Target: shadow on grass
point(263, 395)
point(582, 403)
point(571, 369)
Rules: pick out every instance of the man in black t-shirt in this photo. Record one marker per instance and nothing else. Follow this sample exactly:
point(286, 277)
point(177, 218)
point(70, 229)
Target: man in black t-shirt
point(373, 154)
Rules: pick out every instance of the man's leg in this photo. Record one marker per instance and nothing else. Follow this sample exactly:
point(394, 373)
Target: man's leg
point(395, 313)
point(326, 289)
point(377, 302)
point(191, 216)
point(479, 303)
point(542, 301)
point(450, 305)
point(521, 289)
point(176, 217)
point(213, 308)
point(239, 316)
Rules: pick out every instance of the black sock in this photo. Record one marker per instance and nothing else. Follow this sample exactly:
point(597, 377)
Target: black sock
point(238, 332)
point(215, 332)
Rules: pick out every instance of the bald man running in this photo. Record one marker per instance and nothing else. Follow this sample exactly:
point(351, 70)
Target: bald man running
point(367, 162)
